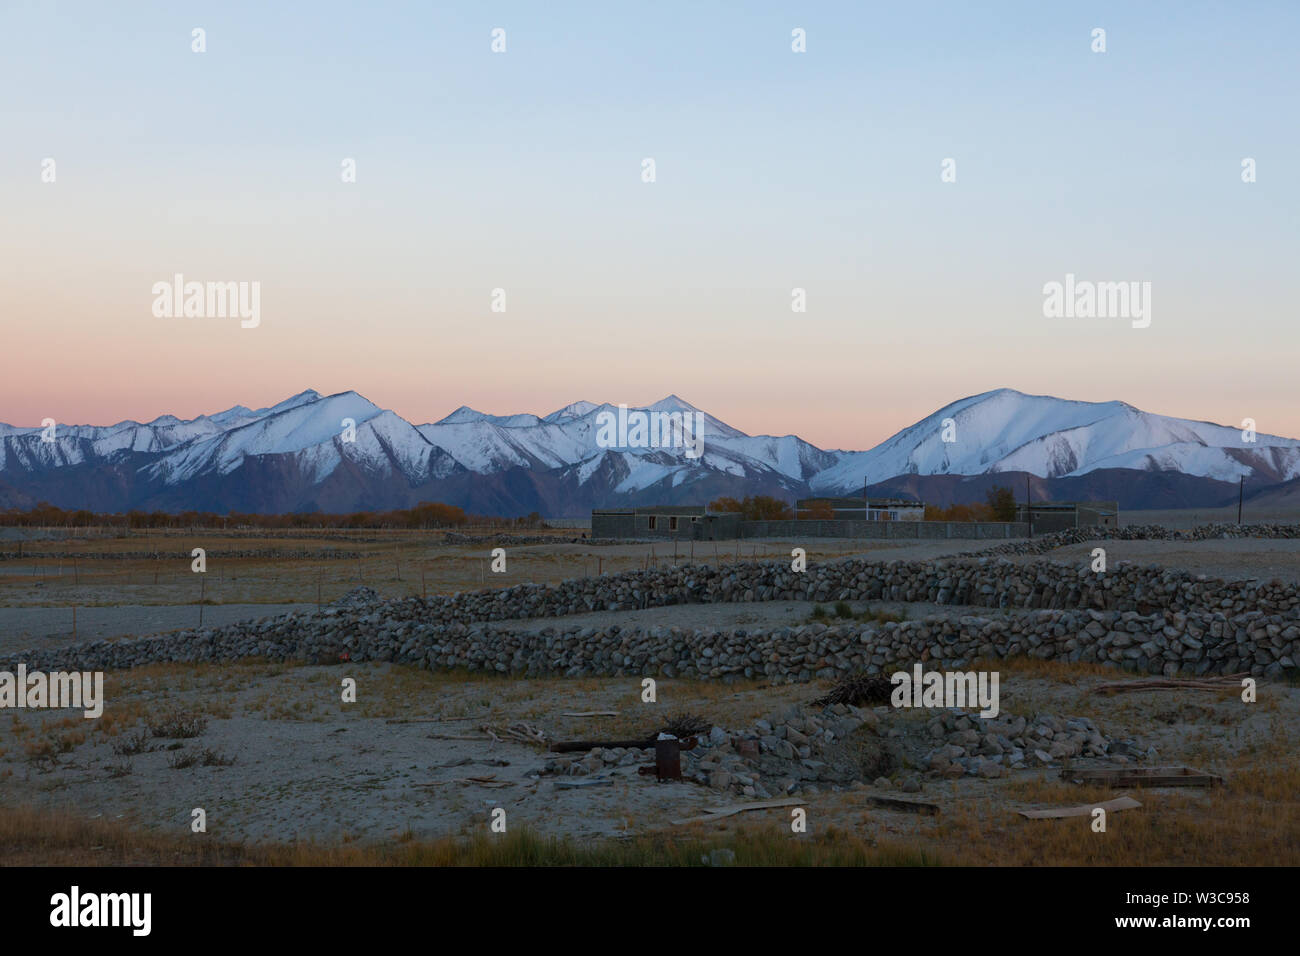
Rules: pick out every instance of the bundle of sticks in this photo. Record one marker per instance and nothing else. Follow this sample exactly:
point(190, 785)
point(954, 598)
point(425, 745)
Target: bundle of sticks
point(1220, 682)
point(857, 689)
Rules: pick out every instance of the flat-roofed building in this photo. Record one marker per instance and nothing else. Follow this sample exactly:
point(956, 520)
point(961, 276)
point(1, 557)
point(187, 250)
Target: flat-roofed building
point(660, 521)
point(860, 509)
point(1049, 516)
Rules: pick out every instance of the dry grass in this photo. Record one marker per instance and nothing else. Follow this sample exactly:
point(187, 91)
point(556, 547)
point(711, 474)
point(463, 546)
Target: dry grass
point(395, 563)
point(33, 837)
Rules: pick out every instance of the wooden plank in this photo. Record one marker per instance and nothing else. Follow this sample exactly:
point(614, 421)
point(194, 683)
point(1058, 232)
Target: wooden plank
point(1085, 810)
point(592, 713)
point(720, 812)
point(583, 783)
point(911, 806)
point(1145, 777)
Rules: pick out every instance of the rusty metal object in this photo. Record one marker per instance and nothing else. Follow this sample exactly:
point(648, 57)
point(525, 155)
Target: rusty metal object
point(668, 758)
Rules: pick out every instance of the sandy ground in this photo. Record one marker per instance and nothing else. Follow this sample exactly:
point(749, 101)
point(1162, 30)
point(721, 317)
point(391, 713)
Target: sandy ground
point(307, 766)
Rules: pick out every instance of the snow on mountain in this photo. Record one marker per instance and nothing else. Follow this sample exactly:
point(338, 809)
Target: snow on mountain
point(303, 436)
point(1006, 430)
point(575, 410)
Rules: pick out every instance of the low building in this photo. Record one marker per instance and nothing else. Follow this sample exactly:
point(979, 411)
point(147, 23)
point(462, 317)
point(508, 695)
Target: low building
point(663, 521)
point(860, 509)
point(1048, 516)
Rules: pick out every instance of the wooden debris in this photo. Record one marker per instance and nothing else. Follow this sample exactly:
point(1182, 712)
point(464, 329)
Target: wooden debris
point(428, 720)
point(466, 761)
point(1225, 682)
point(683, 725)
point(592, 713)
point(582, 783)
point(911, 806)
point(519, 732)
point(1145, 777)
point(574, 746)
point(857, 689)
point(720, 812)
point(1084, 810)
point(490, 781)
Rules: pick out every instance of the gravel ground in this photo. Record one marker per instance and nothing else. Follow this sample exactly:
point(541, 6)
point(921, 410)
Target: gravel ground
point(1264, 559)
point(24, 627)
point(307, 766)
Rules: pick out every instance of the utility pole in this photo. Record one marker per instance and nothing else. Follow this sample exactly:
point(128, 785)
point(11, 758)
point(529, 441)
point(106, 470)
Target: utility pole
point(1029, 508)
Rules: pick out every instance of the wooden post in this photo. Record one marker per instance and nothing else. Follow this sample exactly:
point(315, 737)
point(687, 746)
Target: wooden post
point(76, 575)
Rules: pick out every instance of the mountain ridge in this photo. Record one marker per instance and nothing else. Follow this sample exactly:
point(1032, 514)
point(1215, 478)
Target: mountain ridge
point(343, 449)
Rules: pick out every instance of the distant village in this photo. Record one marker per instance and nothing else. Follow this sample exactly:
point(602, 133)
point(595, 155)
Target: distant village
point(865, 517)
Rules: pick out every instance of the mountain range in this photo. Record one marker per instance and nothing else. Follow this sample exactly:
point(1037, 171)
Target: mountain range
point(300, 455)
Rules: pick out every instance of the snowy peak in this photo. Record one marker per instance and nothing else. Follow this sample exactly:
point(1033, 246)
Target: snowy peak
point(346, 441)
point(1007, 430)
point(576, 410)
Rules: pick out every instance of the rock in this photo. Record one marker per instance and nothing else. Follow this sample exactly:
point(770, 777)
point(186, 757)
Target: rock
point(911, 784)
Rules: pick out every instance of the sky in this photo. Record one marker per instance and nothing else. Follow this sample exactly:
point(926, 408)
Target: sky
point(774, 170)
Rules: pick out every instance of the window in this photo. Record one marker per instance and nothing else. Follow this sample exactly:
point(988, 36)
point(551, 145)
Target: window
point(672, 524)
point(650, 522)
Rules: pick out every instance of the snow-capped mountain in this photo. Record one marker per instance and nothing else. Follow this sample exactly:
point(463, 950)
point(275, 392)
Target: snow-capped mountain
point(1005, 430)
point(341, 453)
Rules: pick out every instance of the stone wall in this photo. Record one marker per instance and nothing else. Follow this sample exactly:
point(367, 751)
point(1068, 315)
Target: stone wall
point(1141, 618)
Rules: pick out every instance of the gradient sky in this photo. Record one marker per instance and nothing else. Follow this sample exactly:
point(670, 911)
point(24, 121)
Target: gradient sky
point(775, 170)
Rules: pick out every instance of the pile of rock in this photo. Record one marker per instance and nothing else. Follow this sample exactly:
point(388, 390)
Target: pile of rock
point(807, 749)
point(971, 745)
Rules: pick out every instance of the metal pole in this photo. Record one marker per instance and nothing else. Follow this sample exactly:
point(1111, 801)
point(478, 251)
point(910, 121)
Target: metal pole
point(1029, 510)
